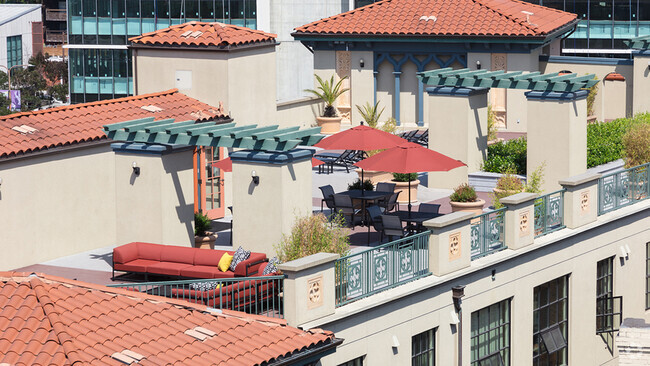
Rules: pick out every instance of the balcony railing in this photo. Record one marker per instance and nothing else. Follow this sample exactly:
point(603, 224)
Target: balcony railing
point(623, 188)
point(365, 273)
point(549, 213)
point(253, 295)
point(55, 15)
point(55, 36)
point(487, 233)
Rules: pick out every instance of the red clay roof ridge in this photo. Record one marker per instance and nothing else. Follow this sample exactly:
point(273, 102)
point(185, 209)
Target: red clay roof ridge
point(90, 104)
point(341, 15)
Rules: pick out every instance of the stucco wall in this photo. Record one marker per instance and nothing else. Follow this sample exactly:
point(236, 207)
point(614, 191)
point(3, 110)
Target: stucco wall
point(641, 83)
point(244, 81)
point(612, 100)
point(56, 205)
point(368, 325)
point(301, 112)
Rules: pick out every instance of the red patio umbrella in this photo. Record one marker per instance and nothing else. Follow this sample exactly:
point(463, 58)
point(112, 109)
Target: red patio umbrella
point(409, 158)
point(362, 138)
point(226, 164)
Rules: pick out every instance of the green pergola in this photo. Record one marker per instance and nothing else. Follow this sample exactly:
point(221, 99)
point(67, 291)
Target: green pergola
point(534, 81)
point(191, 133)
point(639, 43)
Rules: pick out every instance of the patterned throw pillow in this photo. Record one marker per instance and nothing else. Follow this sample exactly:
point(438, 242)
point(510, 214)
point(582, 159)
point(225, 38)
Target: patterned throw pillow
point(204, 286)
point(239, 256)
point(271, 267)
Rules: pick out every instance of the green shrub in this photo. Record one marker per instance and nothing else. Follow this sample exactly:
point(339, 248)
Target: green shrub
point(202, 224)
point(535, 180)
point(367, 185)
point(636, 144)
point(405, 177)
point(463, 193)
point(605, 141)
point(370, 113)
point(507, 156)
point(508, 185)
point(591, 98)
point(313, 234)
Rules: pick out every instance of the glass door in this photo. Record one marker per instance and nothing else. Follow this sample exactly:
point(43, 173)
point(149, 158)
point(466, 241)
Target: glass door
point(208, 193)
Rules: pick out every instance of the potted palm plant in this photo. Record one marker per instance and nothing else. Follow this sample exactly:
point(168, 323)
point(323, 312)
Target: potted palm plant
point(203, 238)
point(328, 92)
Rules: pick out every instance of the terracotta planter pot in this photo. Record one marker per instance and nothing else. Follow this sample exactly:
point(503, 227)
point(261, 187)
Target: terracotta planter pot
point(475, 207)
point(205, 242)
point(329, 125)
point(404, 188)
point(375, 176)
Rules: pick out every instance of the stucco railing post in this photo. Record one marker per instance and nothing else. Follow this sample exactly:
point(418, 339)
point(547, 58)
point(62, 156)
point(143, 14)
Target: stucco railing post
point(457, 120)
point(450, 242)
point(580, 199)
point(557, 135)
point(519, 224)
point(309, 288)
point(263, 211)
point(641, 81)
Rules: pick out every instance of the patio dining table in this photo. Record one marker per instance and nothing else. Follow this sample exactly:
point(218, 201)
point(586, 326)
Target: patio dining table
point(366, 196)
point(415, 218)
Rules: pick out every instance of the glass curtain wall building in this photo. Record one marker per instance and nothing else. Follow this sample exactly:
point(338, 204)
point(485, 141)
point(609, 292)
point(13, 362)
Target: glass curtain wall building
point(604, 25)
point(98, 32)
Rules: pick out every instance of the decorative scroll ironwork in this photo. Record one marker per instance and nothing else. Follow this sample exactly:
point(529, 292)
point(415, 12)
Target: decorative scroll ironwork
point(365, 273)
point(623, 188)
point(549, 213)
point(487, 233)
point(507, 80)
point(253, 295)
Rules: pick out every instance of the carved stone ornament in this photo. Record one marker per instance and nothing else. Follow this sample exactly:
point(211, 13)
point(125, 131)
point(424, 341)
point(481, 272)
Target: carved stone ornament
point(524, 223)
point(454, 246)
point(584, 202)
point(315, 292)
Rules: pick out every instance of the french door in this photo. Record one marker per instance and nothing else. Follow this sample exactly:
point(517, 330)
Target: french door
point(208, 182)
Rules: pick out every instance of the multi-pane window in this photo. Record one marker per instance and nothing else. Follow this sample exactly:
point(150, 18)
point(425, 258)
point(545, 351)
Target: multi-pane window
point(14, 51)
point(647, 276)
point(356, 362)
point(607, 317)
point(490, 343)
point(550, 322)
point(423, 350)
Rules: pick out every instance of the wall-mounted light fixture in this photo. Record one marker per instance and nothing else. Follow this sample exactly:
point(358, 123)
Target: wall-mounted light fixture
point(136, 168)
point(648, 64)
point(395, 342)
point(0, 181)
point(256, 179)
point(478, 65)
point(361, 63)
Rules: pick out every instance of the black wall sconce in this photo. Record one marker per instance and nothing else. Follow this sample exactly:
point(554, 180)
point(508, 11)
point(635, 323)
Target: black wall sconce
point(136, 168)
point(361, 63)
point(457, 292)
point(256, 178)
point(478, 65)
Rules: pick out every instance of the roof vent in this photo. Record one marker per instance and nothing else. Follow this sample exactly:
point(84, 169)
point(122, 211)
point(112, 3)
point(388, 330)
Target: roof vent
point(200, 333)
point(24, 129)
point(528, 14)
point(195, 34)
point(151, 108)
point(427, 18)
point(127, 356)
point(186, 34)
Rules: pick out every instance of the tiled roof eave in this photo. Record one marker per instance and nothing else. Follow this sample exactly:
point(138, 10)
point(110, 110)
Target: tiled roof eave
point(226, 48)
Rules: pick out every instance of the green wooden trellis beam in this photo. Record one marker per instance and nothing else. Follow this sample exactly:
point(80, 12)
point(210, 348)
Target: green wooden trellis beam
point(638, 43)
point(267, 138)
point(507, 80)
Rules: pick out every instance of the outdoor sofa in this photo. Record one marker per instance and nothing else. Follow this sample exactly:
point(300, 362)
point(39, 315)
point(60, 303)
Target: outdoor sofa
point(182, 262)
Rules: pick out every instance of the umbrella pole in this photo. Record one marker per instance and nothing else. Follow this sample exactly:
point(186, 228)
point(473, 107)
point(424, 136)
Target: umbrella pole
point(409, 197)
point(362, 183)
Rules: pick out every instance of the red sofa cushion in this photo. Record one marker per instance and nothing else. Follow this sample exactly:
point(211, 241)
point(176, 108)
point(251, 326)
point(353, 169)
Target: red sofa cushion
point(125, 253)
point(240, 270)
point(177, 254)
point(205, 272)
point(149, 251)
point(138, 265)
point(208, 257)
point(168, 268)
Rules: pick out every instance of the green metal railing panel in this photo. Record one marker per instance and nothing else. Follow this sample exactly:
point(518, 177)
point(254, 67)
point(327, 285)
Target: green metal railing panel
point(254, 295)
point(549, 213)
point(378, 269)
point(508, 80)
point(623, 188)
point(267, 138)
point(487, 233)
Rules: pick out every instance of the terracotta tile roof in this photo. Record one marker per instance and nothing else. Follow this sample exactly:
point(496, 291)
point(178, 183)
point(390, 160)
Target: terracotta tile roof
point(79, 123)
point(441, 18)
point(204, 34)
point(47, 320)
